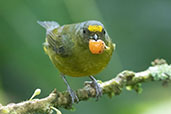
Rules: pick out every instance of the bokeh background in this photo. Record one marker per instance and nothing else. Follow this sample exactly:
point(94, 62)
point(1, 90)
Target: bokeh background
point(141, 30)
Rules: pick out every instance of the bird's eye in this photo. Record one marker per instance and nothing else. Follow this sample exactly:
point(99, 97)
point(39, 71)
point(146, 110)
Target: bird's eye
point(104, 32)
point(84, 31)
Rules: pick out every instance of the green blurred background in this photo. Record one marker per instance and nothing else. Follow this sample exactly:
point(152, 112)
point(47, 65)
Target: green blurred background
point(141, 30)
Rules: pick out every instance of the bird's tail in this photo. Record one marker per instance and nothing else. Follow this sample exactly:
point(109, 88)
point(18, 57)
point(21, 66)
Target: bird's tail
point(48, 25)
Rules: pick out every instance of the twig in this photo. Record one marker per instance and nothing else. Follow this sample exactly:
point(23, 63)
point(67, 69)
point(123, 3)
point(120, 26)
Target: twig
point(160, 71)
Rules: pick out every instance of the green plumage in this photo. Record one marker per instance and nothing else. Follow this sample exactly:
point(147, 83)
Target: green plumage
point(68, 48)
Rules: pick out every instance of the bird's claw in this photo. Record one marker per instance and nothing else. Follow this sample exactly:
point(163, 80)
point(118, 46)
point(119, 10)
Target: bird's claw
point(98, 90)
point(97, 87)
point(74, 97)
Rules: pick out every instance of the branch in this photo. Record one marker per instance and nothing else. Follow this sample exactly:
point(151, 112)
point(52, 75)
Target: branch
point(159, 71)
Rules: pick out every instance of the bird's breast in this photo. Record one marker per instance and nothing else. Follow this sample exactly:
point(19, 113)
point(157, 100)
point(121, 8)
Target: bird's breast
point(82, 62)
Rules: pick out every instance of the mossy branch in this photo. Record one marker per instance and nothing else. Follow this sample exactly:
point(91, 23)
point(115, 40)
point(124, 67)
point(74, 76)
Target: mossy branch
point(159, 71)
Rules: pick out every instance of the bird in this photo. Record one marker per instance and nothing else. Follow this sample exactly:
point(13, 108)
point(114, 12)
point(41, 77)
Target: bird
point(78, 50)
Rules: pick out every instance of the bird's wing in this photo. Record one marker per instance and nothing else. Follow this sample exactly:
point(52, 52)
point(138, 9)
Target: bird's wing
point(60, 44)
point(56, 41)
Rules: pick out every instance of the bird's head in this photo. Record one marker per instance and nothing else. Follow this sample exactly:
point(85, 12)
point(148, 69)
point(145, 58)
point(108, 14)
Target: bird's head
point(94, 35)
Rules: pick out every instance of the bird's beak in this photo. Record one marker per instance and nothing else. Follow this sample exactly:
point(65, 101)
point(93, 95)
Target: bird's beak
point(95, 37)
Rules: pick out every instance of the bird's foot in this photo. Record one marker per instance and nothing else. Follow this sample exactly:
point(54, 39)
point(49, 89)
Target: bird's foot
point(74, 97)
point(97, 88)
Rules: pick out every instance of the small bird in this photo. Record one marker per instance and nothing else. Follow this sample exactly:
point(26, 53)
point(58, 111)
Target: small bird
point(77, 50)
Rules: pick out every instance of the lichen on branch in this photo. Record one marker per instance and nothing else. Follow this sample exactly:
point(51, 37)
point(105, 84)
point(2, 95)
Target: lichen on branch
point(159, 71)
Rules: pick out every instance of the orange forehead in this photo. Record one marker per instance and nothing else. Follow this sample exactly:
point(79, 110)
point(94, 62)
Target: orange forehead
point(96, 47)
point(95, 28)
